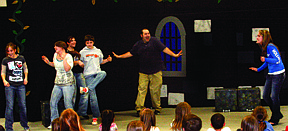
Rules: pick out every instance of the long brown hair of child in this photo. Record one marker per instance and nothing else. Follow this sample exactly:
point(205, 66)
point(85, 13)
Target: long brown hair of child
point(148, 117)
point(107, 119)
point(70, 121)
point(182, 109)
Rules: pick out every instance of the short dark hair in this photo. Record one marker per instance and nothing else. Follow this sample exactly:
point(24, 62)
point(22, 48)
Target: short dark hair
point(2, 128)
point(217, 121)
point(192, 122)
point(70, 38)
point(89, 37)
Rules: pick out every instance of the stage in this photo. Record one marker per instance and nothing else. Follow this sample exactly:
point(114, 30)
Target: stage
point(233, 119)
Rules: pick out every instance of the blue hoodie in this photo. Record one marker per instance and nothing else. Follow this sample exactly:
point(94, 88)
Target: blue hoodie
point(273, 61)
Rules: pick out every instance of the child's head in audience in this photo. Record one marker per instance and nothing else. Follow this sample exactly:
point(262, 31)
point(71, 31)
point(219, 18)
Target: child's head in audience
point(217, 121)
point(69, 120)
point(148, 117)
point(108, 118)
point(249, 123)
point(55, 125)
point(182, 109)
point(192, 122)
point(2, 128)
point(136, 126)
point(260, 113)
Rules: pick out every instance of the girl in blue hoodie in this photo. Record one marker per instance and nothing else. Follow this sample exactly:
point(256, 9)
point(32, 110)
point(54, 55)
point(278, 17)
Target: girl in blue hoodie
point(276, 74)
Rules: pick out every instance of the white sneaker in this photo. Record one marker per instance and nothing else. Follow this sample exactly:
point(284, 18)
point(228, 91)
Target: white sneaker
point(94, 121)
point(84, 90)
point(49, 127)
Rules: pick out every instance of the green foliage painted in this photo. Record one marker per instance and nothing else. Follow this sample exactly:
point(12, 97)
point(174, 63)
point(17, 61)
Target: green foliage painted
point(23, 41)
point(14, 32)
point(18, 12)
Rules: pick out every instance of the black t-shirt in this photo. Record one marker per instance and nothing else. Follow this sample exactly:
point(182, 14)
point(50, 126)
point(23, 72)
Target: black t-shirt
point(14, 70)
point(76, 56)
point(150, 59)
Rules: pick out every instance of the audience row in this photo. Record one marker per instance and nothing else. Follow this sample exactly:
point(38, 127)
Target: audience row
point(184, 121)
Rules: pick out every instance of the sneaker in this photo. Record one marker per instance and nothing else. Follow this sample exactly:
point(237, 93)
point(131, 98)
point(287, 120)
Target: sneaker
point(156, 112)
point(49, 127)
point(27, 129)
point(84, 117)
point(83, 90)
point(94, 122)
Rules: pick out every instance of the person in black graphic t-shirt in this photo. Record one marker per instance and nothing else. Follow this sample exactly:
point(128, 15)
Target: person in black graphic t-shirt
point(14, 74)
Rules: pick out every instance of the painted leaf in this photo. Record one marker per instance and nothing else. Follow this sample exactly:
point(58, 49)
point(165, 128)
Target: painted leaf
point(116, 1)
point(24, 1)
point(14, 32)
point(93, 2)
point(12, 20)
point(28, 93)
point(15, 2)
point(176, 0)
point(170, 0)
point(219, 1)
point(26, 27)
point(159, 0)
point(18, 12)
point(23, 41)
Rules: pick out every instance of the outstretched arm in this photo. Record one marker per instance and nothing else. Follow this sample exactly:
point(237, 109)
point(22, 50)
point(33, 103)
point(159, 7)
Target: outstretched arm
point(169, 52)
point(46, 60)
point(126, 55)
point(109, 59)
point(254, 69)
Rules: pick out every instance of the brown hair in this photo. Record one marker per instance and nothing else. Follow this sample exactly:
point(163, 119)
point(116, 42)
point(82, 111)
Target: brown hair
point(260, 113)
point(61, 44)
point(136, 126)
point(89, 37)
point(249, 123)
point(55, 125)
point(70, 121)
point(192, 122)
point(148, 117)
point(13, 46)
point(107, 119)
point(182, 109)
point(267, 38)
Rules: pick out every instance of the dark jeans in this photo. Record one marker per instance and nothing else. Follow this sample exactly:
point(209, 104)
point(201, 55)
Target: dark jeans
point(10, 95)
point(271, 93)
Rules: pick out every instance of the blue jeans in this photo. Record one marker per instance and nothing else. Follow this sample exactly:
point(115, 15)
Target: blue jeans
point(57, 93)
point(10, 92)
point(271, 94)
point(83, 101)
point(92, 81)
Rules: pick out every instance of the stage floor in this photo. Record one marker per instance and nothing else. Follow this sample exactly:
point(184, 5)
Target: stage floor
point(233, 119)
